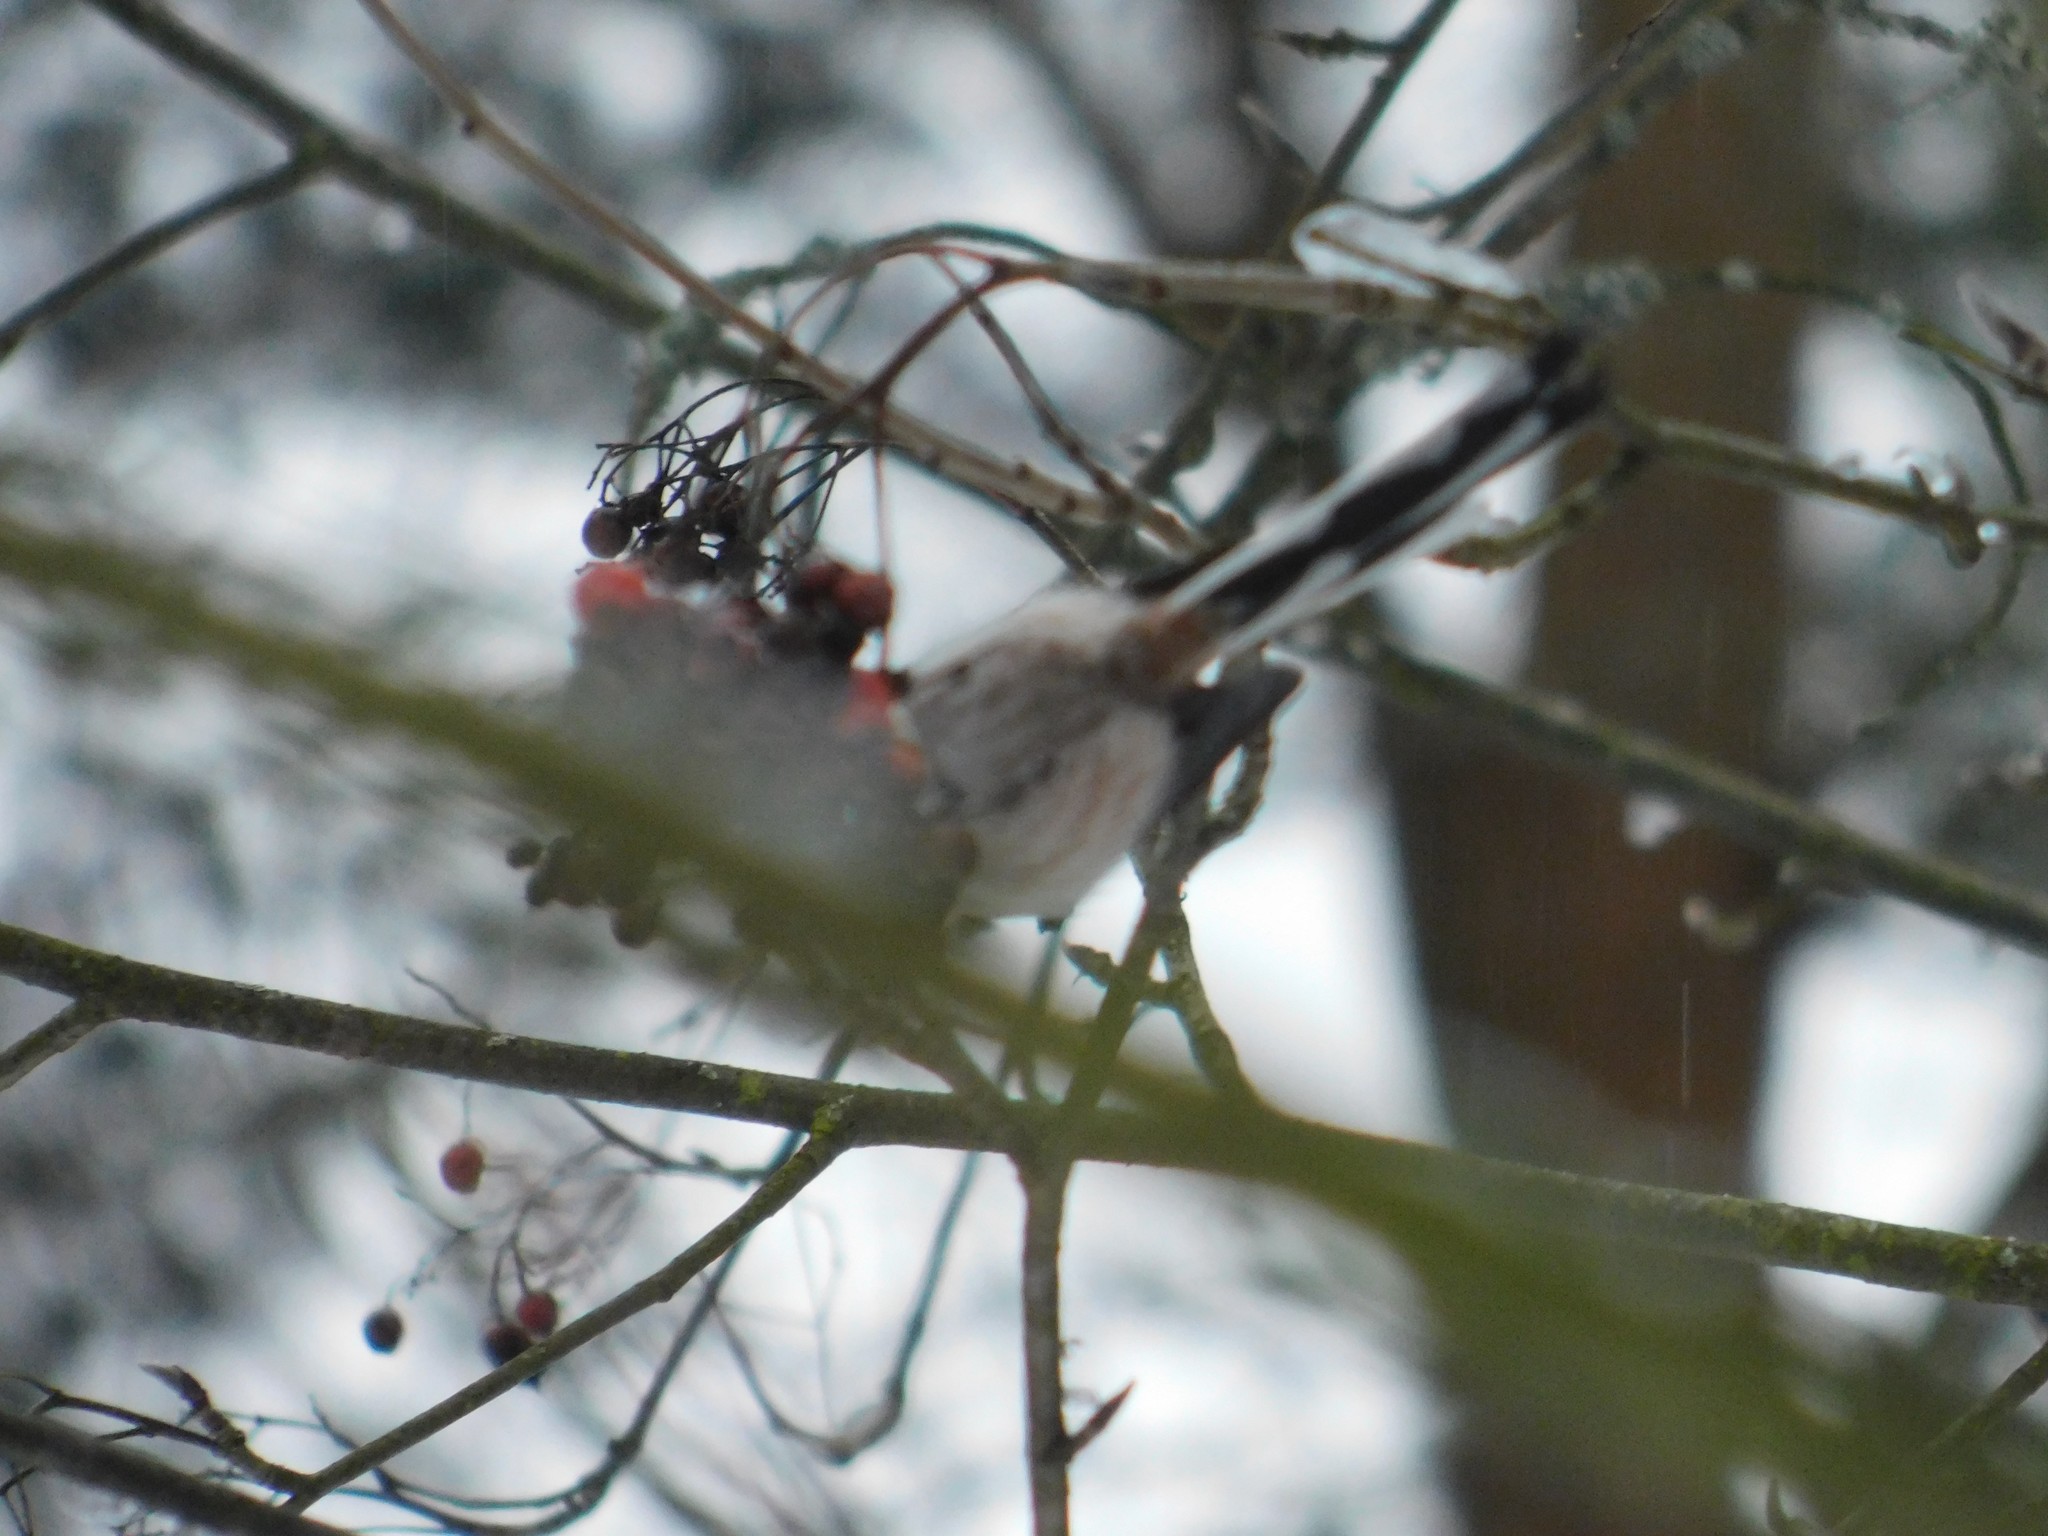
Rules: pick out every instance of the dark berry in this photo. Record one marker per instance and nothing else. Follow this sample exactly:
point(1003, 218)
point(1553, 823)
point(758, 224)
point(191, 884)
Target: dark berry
point(506, 1342)
point(718, 507)
point(538, 1312)
point(680, 560)
point(641, 507)
point(635, 925)
point(382, 1330)
point(606, 534)
point(462, 1166)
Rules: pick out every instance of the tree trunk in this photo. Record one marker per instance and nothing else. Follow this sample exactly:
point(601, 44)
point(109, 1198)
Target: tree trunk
point(1577, 1022)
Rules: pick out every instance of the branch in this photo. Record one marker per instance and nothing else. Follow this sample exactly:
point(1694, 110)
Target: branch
point(1566, 517)
point(1753, 462)
point(1181, 1129)
point(379, 173)
point(57, 1448)
point(1682, 44)
point(1192, 424)
point(391, 178)
point(71, 1025)
point(1564, 733)
point(1450, 315)
point(776, 1191)
point(1047, 1448)
point(146, 245)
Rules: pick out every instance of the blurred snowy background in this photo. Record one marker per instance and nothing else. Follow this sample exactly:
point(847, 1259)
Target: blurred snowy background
point(326, 394)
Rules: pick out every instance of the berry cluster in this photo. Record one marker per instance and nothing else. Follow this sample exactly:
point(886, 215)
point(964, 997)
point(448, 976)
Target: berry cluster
point(714, 662)
point(535, 1311)
point(713, 498)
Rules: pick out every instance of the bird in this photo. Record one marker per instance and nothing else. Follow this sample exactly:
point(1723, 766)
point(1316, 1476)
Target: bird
point(1058, 735)
point(1008, 773)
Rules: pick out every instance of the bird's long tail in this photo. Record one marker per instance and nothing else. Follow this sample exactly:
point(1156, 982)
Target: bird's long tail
point(1313, 558)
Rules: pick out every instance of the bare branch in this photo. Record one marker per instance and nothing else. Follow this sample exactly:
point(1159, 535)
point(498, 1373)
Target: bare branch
point(1685, 42)
point(1191, 423)
point(1752, 462)
point(146, 245)
point(1047, 1448)
point(65, 1452)
point(389, 177)
point(1562, 732)
point(71, 1025)
point(776, 1191)
point(380, 173)
point(1180, 1129)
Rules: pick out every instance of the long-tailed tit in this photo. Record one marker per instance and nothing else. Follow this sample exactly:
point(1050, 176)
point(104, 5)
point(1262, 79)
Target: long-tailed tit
point(1006, 776)
point(1059, 734)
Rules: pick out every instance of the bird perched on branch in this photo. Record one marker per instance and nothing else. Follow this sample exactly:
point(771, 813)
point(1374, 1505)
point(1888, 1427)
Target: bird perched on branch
point(1019, 766)
point(1056, 736)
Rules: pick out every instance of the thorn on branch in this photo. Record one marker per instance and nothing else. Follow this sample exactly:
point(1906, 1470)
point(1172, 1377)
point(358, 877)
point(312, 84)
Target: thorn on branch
point(1098, 1421)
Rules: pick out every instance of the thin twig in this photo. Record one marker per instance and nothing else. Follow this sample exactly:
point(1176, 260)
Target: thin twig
point(226, 1438)
point(866, 1427)
point(1997, 1406)
point(1190, 424)
point(146, 245)
point(1129, 989)
point(1051, 423)
point(390, 178)
point(1047, 1448)
point(67, 1452)
point(1564, 733)
point(1565, 518)
point(70, 1025)
point(1754, 462)
point(1184, 994)
point(776, 1191)
point(1651, 65)
point(1970, 645)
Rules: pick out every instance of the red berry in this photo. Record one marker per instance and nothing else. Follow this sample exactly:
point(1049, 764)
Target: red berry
point(866, 598)
point(598, 587)
point(505, 1342)
point(606, 533)
point(382, 1330)
point(462, 1166)
point(538, 1312)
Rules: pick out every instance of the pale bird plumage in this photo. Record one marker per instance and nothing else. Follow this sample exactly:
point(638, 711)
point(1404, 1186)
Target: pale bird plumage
point(1056, 736)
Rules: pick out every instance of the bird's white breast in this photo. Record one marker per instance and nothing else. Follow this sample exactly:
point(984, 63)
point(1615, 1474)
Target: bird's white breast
point(1037, 745)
